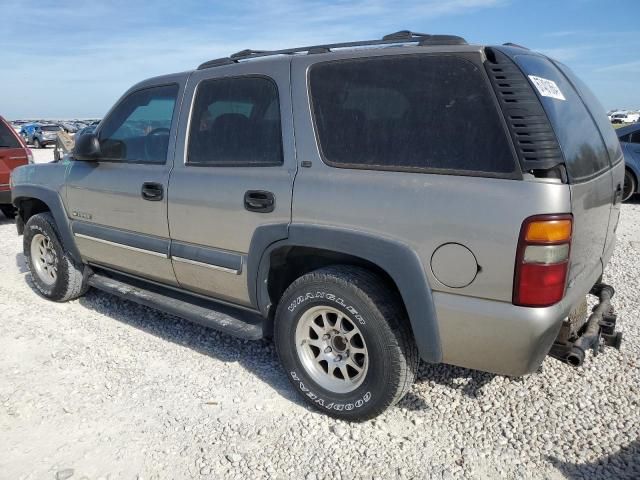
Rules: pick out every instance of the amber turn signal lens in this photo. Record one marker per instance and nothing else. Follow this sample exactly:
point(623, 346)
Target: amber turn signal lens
point(549, 231)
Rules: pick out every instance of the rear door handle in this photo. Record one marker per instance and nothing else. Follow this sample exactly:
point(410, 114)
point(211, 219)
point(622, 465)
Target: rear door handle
point(152, 191)
point(259, 201)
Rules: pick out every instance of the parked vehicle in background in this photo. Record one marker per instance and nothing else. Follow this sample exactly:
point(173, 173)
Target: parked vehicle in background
point(13, 153)
point(64, 145)
point(630, 141)
point(46, 134)
point(69, 127)
point(362, 205)
point(27, 132)
point(625, 117)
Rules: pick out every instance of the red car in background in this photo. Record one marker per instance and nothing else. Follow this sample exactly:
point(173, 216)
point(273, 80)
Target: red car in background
point(13, 153)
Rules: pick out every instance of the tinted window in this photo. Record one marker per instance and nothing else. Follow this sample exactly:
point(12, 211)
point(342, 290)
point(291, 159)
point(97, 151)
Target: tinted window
point(50, 128)
point(584, 152)
point(635, 137)
point(236, 121)
point(138, 129)
point(422, 112)
point(598, 113)
point(7, 138)
point(625, 138)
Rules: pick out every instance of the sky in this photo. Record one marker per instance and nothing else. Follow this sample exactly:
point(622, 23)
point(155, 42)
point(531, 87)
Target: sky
point(73, 59)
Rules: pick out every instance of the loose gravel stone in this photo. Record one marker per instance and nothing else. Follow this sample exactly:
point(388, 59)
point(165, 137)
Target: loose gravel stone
point(119, 390)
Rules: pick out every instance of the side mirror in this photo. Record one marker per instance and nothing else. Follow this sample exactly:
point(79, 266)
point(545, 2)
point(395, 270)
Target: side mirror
point(87, 148)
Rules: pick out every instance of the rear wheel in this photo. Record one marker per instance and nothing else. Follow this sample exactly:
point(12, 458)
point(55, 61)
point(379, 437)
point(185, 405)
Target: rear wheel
point(345, 342)
point(630, 185)
point(36, 143)
point(54, 273)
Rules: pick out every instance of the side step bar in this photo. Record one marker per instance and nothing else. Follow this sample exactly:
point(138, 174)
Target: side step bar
point(229, 320)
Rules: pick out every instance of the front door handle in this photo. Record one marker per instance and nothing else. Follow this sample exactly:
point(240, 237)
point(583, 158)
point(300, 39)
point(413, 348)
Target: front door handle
point(152, 191)
point(259, 201)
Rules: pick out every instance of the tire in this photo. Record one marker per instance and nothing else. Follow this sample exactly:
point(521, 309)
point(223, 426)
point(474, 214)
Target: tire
point(630, 185)
point(360, 302)
point(8, 211)
point(36, 143)
point(41, 238)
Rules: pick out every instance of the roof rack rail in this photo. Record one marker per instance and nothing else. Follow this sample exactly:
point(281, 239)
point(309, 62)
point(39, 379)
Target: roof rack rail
point(403, 36)
point(511, 44)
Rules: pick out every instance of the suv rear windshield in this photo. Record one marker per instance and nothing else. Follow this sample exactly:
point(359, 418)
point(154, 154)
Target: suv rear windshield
point(7, 138)
point(585, 153)
point(50, 128)
point(409, 112)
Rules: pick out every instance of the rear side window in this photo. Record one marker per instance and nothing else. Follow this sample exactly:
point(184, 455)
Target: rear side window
point(409, 112)
point(235, 122)
point(598, 113)
point(7, 138)
point(584, 152)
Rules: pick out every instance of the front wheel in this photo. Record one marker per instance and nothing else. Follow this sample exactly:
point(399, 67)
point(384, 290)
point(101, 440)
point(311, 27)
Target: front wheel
point(345, 342)
point(37, 144)
point(54, 273)
point(629, 186)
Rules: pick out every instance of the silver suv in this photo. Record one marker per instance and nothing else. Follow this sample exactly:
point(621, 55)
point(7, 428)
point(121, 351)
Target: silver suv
point(367, 204)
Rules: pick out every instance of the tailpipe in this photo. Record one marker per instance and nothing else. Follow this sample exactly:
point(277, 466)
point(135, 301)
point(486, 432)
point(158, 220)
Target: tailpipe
point(571, 347)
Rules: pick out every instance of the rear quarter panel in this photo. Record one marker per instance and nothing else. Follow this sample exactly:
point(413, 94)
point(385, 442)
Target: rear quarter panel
point(423, 211)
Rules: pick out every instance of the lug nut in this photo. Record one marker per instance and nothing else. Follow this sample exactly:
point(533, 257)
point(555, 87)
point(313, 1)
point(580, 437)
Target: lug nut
point(326, 336)
point(338, 358)
point(327, 350)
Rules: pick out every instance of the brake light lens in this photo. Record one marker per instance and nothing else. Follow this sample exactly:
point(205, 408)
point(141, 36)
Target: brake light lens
point(542, 260)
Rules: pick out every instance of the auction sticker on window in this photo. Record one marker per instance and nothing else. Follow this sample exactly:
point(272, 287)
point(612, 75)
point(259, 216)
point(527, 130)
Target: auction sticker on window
point(546, 87)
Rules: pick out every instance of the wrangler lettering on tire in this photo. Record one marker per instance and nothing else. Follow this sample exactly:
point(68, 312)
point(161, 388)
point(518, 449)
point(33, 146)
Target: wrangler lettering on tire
point(346, 342)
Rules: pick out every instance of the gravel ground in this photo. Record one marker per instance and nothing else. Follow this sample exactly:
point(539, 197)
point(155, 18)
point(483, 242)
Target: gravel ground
point(104, 388)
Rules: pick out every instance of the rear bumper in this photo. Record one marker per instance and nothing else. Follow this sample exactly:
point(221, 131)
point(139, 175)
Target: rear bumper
point(500, 337)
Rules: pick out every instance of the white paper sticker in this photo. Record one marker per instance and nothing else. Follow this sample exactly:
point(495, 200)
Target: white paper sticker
point(547, 88)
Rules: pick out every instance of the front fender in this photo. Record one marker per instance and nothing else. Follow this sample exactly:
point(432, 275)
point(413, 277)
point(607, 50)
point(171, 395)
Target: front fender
point(51, 198)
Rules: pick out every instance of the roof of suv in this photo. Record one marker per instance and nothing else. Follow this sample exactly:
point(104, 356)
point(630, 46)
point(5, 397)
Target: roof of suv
point(397, 38)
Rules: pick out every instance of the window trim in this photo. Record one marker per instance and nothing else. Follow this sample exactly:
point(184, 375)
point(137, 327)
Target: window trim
point(194, 96)
point(516, 174)
point(171, 129)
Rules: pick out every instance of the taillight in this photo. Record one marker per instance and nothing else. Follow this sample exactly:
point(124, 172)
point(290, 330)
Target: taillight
point(542, 260)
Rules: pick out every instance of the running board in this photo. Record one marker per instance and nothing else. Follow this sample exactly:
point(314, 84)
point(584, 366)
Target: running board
point(226, 319)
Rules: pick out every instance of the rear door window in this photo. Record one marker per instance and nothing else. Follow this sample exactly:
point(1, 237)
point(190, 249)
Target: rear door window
point(584, 151)
point(7, 138)
point(409, 112)
point(236, 122)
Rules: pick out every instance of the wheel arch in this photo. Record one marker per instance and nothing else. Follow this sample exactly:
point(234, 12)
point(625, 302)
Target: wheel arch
point(33, 199)
point(278, 254)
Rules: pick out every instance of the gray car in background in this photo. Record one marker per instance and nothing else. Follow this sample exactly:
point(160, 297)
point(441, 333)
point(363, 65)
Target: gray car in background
point(45, 134)
point(366, 204)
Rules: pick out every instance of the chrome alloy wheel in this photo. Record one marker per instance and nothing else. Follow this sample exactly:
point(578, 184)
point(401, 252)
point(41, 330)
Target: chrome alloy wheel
point(44, 259)
point(332, 349)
